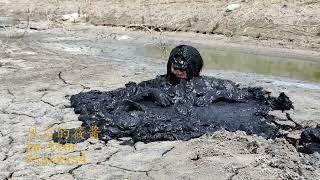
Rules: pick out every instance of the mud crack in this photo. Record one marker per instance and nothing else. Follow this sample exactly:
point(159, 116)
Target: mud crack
point(70, 171)
point(236, 171)
point(10, 92)
point(62, 79)
point(167, 151)
point(147, 174)
point(65, 82)
point(47, 103)
point(6, 153)
point(9, 177)
point(130, 170)
point(19, 114)
point(11, 100)
point(108, 158)
point(77, 167)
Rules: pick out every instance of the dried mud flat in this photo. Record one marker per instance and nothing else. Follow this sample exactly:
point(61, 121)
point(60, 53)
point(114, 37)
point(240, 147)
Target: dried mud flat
point(40, 71)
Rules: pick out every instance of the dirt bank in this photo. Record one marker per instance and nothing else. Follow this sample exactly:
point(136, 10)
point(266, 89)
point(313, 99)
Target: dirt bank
point(276, 23)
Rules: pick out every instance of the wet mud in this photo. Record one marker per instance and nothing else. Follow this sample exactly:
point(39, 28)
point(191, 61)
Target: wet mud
point(155, 110)
point(310, 138)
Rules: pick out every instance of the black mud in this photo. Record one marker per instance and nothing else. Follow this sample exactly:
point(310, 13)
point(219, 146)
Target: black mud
point(310, 139)
point(154, 110)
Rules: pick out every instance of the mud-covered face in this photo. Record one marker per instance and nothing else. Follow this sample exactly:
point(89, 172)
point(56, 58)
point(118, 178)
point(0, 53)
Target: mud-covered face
point(184, 63)
point(180, 74)
point(179, 68)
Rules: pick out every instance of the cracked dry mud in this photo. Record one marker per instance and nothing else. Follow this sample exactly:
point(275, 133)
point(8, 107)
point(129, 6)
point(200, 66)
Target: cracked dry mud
point(38, 76)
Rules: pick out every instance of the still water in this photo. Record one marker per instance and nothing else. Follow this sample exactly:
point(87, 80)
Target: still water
point(251, 63)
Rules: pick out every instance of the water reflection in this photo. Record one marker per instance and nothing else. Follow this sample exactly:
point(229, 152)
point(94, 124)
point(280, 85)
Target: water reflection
point(293, 68)
point(242, 62)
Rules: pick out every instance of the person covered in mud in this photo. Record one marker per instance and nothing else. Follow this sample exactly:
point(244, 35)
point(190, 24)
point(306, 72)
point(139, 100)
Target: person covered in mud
point(185, 63)
point(181, 83)
point(179, 105)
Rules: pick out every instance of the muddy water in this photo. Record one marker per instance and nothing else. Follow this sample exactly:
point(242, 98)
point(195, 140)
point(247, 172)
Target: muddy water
point(134, 50)
point(242, 62)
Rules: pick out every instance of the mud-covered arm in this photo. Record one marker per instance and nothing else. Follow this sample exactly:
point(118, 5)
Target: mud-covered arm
point(222, 90)
point(131, 96)
point(220, 95)
point(151, 90)
point(152, 94)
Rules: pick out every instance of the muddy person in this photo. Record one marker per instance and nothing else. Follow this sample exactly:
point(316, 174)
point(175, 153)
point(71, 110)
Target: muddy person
point(185, 62)
point(179, 105)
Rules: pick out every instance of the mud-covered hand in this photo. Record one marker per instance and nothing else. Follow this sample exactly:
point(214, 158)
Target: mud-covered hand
point(129, 105)
point(159, 97)
point(281, 103)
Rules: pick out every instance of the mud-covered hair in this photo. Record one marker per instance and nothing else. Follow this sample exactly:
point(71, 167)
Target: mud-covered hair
point(186, 57)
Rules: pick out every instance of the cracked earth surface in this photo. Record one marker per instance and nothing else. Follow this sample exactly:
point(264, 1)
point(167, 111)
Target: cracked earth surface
point(38, 74)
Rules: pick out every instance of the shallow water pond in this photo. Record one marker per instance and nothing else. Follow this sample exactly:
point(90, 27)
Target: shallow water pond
point(134, 50)
point(243, 62)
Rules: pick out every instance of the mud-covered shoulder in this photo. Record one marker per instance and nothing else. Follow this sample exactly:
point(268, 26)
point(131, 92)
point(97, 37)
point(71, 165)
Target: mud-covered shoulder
point(157, 82)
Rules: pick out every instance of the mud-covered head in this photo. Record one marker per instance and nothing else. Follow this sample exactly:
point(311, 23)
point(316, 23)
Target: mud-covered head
point(185, 62)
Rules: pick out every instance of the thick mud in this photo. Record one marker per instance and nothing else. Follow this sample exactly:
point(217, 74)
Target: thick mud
point(200, 106)
point(310, 137)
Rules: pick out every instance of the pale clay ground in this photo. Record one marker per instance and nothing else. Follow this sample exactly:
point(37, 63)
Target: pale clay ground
point(33, 95)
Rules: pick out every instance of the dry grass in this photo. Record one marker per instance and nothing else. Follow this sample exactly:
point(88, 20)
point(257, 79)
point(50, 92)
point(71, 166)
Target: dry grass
point(4, 50)
point(15, 32)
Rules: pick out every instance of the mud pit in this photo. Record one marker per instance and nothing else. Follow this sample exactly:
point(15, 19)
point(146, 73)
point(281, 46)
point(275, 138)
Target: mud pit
point(34, 95)
point(200, 106)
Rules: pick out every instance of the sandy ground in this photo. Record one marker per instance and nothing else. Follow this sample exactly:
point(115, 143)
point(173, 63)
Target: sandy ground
point(39, 72)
